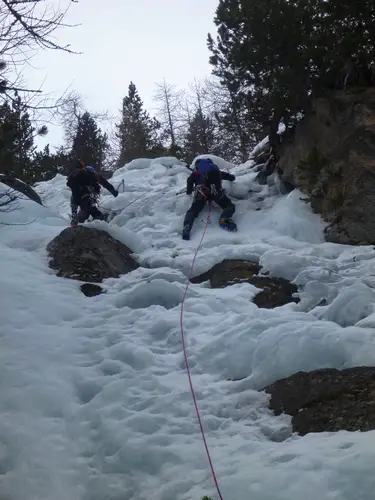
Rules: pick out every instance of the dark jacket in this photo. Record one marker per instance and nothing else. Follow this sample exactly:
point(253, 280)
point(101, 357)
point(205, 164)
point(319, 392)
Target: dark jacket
point(193, 180)
point(82, 182)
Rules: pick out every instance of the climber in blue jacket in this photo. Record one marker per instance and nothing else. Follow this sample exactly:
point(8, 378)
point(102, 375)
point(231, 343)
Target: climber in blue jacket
point(205, 181)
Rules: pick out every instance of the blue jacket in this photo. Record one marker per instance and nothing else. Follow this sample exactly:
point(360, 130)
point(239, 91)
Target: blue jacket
point(207, 173)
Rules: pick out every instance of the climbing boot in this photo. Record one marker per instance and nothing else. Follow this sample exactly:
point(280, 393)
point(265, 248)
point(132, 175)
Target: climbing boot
point(228, 224)
point(186, 232)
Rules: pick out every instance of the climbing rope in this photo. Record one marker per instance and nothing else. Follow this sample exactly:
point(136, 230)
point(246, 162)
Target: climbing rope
point(131, 203)
point(186, 358)
point(126, 206)
point(136, 199)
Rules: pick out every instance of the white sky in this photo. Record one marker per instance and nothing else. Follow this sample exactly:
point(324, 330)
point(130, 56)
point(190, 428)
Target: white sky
point(123, 40)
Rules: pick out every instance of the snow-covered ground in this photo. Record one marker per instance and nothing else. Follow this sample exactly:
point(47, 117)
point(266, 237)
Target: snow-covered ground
point(94, 399)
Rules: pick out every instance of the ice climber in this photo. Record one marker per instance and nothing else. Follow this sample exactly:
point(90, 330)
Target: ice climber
point(85, 183)
point(205, 180)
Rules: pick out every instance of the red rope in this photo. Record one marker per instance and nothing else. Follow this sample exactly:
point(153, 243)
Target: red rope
point(186, 359)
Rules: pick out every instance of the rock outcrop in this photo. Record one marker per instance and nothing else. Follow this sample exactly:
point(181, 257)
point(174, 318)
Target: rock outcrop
point(327, 400)
point(274, 292)
point(21, 187)
point(89, 254)
point(331, 158)
point(91, 289)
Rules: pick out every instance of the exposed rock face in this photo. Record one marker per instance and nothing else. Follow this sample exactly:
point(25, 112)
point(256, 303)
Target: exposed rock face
point(327, 400)
point(332, 160)
point(91, 290)
point(89, 254)
point(21, 187)
point(276, 291)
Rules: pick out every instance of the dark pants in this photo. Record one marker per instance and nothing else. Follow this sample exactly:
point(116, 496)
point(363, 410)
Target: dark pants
point(199, 203)
point(87, 208)
point(74, 208)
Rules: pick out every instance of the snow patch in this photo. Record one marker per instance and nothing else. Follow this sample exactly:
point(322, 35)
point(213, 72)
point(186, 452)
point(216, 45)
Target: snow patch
point(101, 382)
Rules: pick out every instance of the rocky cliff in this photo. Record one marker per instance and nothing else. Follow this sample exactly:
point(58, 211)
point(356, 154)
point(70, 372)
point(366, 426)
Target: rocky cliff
point(331, 158)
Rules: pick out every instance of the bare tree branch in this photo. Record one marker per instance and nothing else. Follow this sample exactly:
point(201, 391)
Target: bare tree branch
point(169, 100)
point(26, 24)
point(25, 27)
point(9, 203)
point(70, 110)
point(7, 200)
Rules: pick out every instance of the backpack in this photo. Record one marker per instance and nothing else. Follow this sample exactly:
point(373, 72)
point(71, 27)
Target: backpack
point(71, 177)
point(207, 172)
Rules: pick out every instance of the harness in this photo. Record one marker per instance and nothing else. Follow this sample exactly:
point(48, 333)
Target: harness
point(92, 194)
point(205, 192)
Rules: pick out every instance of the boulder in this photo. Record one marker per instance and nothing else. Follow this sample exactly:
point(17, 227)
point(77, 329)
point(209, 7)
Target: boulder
point(89, 254)
point(274, 292)
point(91, 289)
point(332, 159)
point(327, 400)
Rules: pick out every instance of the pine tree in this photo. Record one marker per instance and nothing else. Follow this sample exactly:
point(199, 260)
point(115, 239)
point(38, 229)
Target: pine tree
point(46, 164)
point(272, 55)
point(137, 132)
point(89, 143)
point(17, 140)
point(200, 136)
point(236, 130)
point(249, 61)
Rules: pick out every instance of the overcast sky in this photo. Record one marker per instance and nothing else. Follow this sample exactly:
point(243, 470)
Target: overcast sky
point(123, 40)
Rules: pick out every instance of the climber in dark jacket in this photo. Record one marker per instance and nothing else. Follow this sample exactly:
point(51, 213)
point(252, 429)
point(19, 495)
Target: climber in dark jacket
point(206, 181)
point(85, 185)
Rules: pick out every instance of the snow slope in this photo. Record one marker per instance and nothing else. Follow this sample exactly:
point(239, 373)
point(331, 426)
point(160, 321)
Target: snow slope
point(94, 399)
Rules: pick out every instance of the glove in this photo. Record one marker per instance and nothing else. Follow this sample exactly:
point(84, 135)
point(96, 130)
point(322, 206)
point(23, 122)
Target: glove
point(232, 178)
point(115, 194)
point(188, 191)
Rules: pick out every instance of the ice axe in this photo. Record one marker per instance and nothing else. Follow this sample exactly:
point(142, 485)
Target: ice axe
point(122, 183)
point(181, 191)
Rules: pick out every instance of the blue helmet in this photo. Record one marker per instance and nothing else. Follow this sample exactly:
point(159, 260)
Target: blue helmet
point(90, 169)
